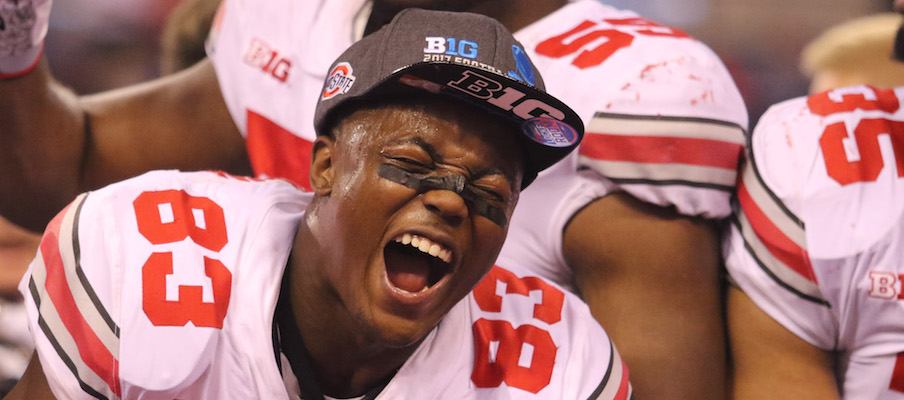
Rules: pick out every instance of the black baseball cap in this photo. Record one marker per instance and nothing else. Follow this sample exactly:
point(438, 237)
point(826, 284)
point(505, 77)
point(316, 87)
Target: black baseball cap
point(463, 56)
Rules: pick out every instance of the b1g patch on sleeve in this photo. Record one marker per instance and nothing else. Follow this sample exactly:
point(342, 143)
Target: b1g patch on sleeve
point(550, 132)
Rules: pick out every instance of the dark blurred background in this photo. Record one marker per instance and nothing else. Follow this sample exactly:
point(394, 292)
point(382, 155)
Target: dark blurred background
point(99, 44)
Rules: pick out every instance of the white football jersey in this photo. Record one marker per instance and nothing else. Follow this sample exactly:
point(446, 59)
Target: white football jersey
point(164, 286)
point(818, 240)
point(664, 120)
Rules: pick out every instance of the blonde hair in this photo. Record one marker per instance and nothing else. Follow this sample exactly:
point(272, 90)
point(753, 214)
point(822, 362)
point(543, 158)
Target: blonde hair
point(858, 43)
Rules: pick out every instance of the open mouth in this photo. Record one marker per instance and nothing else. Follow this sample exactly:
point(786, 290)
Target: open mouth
point(415, 263)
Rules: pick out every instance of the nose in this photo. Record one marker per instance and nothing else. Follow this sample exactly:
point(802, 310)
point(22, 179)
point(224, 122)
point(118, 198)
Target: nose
point(447, 204)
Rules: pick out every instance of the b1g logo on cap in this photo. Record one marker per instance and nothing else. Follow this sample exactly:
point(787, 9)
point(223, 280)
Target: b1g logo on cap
point(505, 97)
point(550, 132)
point(339, 81)
point(450, 46)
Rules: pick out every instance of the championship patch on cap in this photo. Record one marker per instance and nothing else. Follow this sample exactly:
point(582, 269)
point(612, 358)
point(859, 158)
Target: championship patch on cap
point(339, 81)
point(525, 72)
point(550, 132)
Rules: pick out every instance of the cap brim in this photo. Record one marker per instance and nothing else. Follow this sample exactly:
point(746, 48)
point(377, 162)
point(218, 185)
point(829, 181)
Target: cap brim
point(549, 129)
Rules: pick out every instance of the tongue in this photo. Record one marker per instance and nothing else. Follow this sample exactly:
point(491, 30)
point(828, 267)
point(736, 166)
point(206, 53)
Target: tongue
point(407, 270)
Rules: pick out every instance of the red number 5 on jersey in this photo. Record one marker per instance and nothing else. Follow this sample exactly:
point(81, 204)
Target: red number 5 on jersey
point(856, 156)
point(600, 44)
point(179, 222)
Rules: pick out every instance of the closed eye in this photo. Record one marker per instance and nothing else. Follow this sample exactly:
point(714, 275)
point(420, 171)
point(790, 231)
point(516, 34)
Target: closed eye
point(490, 195)
point(411, 165)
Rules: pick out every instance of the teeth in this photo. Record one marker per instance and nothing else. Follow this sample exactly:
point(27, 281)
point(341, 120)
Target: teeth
point(423, 289)
point(425, 245)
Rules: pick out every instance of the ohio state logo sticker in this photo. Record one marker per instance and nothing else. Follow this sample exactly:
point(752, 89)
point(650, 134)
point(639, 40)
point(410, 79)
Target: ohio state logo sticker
point(550, 132)
point(339, 81)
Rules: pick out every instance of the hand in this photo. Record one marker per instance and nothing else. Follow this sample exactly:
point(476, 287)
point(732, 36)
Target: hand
point(23, 25)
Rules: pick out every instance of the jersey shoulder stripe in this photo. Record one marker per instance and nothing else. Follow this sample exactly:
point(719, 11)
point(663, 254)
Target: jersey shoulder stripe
point(664, 150)
point(773, 235)
point(615, 385)
point(69, 313)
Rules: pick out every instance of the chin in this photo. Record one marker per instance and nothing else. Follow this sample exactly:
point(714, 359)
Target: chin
point(396, 332)
point(402, 342)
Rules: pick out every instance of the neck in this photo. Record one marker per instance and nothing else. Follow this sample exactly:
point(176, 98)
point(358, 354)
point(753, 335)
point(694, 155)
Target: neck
point(514, 14)
point(346, 358)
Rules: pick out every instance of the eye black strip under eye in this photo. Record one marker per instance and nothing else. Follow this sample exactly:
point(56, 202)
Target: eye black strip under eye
point(454, 183)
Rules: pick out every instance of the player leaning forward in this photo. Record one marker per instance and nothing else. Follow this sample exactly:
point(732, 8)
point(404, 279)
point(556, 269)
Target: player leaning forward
point(415, 176)
point(815, 250)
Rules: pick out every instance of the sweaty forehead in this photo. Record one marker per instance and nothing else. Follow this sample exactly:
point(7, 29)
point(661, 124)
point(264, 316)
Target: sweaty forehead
point(423, 115)
point(441, 128)
point(437, 157)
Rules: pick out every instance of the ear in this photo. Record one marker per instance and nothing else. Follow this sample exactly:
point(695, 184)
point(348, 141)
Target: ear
point(322, 173)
